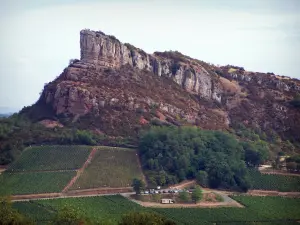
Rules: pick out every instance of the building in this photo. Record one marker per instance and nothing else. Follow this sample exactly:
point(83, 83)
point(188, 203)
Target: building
point(167, 201)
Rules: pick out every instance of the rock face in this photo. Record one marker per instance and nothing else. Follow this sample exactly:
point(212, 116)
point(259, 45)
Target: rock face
point(115, 86)
point(107, 51)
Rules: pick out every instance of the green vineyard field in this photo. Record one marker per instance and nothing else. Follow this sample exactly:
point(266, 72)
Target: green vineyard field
point(34, 182)
point(268, 209)
point(110, 167)
point(35, 211)
point(257, 211)
point(105, 208)
point(274, 182)
point(40, 158)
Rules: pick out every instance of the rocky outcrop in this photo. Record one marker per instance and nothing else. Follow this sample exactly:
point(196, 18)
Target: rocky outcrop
point(116, 87)
point(106, 51)
point(268, 80)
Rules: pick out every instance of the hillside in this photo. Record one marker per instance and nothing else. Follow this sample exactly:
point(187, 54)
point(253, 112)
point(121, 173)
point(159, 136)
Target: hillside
point(117, 90)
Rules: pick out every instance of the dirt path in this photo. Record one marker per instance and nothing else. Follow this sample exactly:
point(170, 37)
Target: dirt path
point(273, 193)
point(74, 194)
point(228, 202)
point(126, 192)
point(280, 173)
point(39, 171)
point(3, 168)
point(98, 191)
point(183, 184)
point(80, 171)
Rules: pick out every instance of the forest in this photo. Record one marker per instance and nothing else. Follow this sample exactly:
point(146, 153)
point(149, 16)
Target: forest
point(217, 159)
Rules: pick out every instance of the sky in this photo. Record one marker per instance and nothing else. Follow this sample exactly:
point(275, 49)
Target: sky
point(39, 37)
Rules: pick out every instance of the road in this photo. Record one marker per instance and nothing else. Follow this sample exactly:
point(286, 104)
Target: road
point(127, 191)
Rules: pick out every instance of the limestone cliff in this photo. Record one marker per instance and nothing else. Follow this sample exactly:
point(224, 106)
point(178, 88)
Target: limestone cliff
point(106, 51)
point(117, 88)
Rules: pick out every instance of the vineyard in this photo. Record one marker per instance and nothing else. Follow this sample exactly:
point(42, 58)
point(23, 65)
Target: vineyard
point(274, 182)
point(110, 167)
point(34, 182)
point(105, 208)
point(40, 158)
point(35, 211)
point(258, 210)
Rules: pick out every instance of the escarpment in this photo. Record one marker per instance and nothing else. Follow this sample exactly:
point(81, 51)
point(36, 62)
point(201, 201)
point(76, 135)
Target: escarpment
point(117, 88)
point(106, 51)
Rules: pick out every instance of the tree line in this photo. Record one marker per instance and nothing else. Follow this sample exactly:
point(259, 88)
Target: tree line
point(217, 159)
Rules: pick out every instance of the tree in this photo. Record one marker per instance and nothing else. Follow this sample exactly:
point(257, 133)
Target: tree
point(202, 178)
point(184, 196)
point(138, 185)
point(145, 218)
point(9, 216)
point(197, 194)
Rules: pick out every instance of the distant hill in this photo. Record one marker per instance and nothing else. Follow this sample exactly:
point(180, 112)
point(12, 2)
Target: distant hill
point(4, 115)
point(7, 111)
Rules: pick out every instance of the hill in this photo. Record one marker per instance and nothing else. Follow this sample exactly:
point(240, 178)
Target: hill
point(117, 90)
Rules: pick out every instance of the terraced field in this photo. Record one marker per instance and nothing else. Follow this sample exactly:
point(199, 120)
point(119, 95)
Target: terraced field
point(276, 182)
point(258, 210)
point(43, 169)
point(34, 182)
point(45, 158)
point(110, 167)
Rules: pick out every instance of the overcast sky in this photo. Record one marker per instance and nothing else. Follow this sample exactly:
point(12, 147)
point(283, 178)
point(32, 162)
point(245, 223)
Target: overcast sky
point(38, 37)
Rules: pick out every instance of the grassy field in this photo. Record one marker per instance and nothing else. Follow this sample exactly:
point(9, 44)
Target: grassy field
point(258, 210)
point(268, 209)
point(40, 158)
point(274, 182)
point(34, 182)
point(110, 167)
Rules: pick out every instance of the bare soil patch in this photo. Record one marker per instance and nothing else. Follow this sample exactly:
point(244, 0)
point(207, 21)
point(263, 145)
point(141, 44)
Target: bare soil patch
point(203, 204)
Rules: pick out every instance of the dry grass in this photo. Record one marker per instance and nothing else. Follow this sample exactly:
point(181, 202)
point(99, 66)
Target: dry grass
point(230, 86)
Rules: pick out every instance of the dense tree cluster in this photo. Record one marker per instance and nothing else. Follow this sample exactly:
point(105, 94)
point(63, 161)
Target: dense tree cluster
point(217, 159)
point(138, 185)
